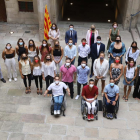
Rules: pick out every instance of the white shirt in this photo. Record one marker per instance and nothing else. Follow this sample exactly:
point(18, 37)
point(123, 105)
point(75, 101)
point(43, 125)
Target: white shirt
point(37, 71)
point(98, 48)
point(83, 50)
point(48, 69)
point(57, 90)
point(26, 69)
point(32, 53)
point(130, 73)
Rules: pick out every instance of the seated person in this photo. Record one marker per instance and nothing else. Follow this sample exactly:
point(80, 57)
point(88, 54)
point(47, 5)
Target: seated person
point(58, 95)
point(111, 94)
point(90, 94)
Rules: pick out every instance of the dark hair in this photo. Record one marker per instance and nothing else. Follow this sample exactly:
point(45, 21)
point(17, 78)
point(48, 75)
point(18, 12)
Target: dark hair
point(55, 26)
point(46, 57)
point(71, 39)
point(71, 25)
point(34, 47)
point(98, 37)
point(114, 23)
point(7, 44)
point(91, 80)
point(111, 79)
point(47, 46)
point(83, 39)
point(116, 57)
point(134, 42)
point(130, 61)
point(68, 59)
point(38, 61)
point(58, 44)
point(22, 56)
point(22, 41)
point(119, 37)
point(84, 61)
point(102, 53)
point(57, 75)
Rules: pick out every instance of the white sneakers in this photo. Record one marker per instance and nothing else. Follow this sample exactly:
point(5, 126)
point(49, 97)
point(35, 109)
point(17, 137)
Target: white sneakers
point(77, 97)
point(56, 112)
point(10, 80)
point(15, 79)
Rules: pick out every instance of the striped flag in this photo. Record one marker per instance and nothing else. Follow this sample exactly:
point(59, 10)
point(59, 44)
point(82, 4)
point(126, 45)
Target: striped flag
point(47, 24)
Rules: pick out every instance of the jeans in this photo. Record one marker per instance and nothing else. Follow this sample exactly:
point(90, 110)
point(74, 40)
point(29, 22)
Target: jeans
point(58, 102)
point(73, 62)
point(79, 87)
point(80, 59)
point(110, 107)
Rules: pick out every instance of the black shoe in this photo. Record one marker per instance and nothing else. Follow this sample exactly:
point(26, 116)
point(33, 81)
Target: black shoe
point(3, 80)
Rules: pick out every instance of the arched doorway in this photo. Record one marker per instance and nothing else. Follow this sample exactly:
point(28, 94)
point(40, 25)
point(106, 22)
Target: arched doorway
point(3, 16)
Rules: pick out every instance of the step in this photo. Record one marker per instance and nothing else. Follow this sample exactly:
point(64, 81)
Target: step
point(138, 29)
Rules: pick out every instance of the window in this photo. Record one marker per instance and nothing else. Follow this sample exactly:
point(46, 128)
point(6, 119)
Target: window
point(25, 6)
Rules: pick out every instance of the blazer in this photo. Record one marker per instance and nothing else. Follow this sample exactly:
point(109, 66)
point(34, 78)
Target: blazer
point(51, 34)
point(68, 36)
point(89, 35)
point(94, 54)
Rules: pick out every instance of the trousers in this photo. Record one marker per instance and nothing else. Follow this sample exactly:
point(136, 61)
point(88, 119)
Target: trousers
point(91, 106)
point(58, 102)
point(1, 76)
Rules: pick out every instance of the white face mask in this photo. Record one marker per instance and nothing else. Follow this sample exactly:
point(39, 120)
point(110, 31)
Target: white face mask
point(83, 65)
point(67, 64)
point(91, 85)
point(44, 45)
point(56, 82)
point(115, 26)
point(8, 47)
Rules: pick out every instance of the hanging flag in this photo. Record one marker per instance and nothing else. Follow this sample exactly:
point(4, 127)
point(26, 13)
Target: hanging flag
point(47, 24)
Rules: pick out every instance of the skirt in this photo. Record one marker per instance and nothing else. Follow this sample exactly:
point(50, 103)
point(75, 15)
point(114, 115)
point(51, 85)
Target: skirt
point(128, 79)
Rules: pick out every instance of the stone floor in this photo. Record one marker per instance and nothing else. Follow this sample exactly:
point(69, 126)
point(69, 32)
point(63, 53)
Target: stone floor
point(27, 117)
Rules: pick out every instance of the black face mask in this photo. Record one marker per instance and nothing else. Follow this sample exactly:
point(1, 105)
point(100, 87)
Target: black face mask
point(117, 41)
point(92, 28)
point(48, 59)
point(134, 47)
point(56, 45)
point(24, 58)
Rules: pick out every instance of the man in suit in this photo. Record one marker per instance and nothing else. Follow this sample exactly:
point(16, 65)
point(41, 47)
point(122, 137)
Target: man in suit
point(96, 48)
point(71, 33)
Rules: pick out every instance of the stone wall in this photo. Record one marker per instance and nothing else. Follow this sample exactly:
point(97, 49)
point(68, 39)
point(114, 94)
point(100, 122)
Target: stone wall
point(14, 16)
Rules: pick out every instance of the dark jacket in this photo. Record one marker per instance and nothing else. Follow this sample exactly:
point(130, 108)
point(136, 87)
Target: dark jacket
point(68, 36)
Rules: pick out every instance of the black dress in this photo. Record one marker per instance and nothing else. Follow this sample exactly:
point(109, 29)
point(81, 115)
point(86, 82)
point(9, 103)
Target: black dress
point(91, 43)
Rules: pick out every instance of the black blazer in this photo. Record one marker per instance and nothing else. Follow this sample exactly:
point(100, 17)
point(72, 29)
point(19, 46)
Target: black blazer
point(74, 36)
point(94, 54)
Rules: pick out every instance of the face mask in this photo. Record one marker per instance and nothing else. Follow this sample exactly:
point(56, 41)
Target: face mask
point(138, 66)
point(92, 28)
point(56, 82)
point(117, 41)
point(8, 47)
point(98, 42)
point(20, 43)
point(83, 65)
point(115, 26)
point(131, 64)
point(56, 45)
point(111, 84)
point(71, 29)
point(53, 28)
point(31, 44)
point(47, 59)
point(91, 85)
point(24, 58)
point(84, 43)
point(101, 58)
point(67, 64)
point(70, 44)
point(36, 61)
point(134, 47)
point(117, 61)
point(44, 45)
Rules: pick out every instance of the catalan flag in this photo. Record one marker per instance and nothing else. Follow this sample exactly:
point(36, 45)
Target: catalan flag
point(47, 24)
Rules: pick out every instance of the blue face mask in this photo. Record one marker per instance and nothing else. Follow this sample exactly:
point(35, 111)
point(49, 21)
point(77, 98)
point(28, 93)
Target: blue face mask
point(71, 29)
point(70, 44)
point(138, 66)
point(98, 42)
point(111, 84)
point(20, 43)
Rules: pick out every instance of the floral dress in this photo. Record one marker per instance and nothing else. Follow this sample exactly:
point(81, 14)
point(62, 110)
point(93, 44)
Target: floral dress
point(115, 74)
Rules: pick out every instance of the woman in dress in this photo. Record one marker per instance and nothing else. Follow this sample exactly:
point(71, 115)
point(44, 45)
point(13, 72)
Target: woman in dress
point(113, 34)
point(130, 73)
point(91, 36)
point(116, 48)
point(116, 70)
point(9, 58)
point(57, 55)
point(44, 49)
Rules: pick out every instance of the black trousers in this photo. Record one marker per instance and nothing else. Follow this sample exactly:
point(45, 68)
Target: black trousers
point(29, 80)
point(136, 93)
point(48, 80)
point(110, 107)
point(40, 81)
point(80, 59)
point(79, 87)
point(92, 65)
point(71, 89)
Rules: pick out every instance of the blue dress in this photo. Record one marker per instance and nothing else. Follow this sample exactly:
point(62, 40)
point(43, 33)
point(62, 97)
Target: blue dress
point(116, 52)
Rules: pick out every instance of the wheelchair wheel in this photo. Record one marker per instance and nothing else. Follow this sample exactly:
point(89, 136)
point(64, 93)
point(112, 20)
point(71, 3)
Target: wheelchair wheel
point(52, 110)
point(96, 117)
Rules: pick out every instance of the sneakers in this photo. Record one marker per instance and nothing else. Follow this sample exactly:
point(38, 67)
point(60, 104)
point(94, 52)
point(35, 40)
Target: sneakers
point(88, 117)
point(108, 115)
point(77, 97)
point(58, 112)
point(111, 116)
point(15, 79)
point(10, 80)
point(3, 80)
point(55, 112)
point(92, 116)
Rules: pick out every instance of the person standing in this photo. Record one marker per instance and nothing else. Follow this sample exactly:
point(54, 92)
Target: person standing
point(95, 52)
point(132, 52)
point(57, 55)
point(100, 69)
point(54, 34)
point(91, 37)
point(68, 73)
point(113, 34)
point(9, 58)
point(32, 50)
point(71, 51)
point(21, 48)
point(1, 76)
point(37, 73)
point(25, 67)
point(116, 70)
point(130, 73)
point(83, 51)
point(71, 33)
point(82, 72)
point(44, 49)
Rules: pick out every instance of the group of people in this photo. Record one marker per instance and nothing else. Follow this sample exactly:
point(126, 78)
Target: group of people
point(49, 67)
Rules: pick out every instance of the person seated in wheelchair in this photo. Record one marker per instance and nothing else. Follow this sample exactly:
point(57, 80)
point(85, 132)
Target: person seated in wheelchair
point(58, 95)
point(90, 94)
point(111, 93)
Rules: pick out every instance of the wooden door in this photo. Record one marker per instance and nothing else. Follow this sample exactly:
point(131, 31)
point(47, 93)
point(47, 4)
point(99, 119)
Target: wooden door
point(3, 16)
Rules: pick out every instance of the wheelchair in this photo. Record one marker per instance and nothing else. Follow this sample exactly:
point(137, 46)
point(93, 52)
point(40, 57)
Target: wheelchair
point(63, 107)
point(105, 108)
point(84, 109)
